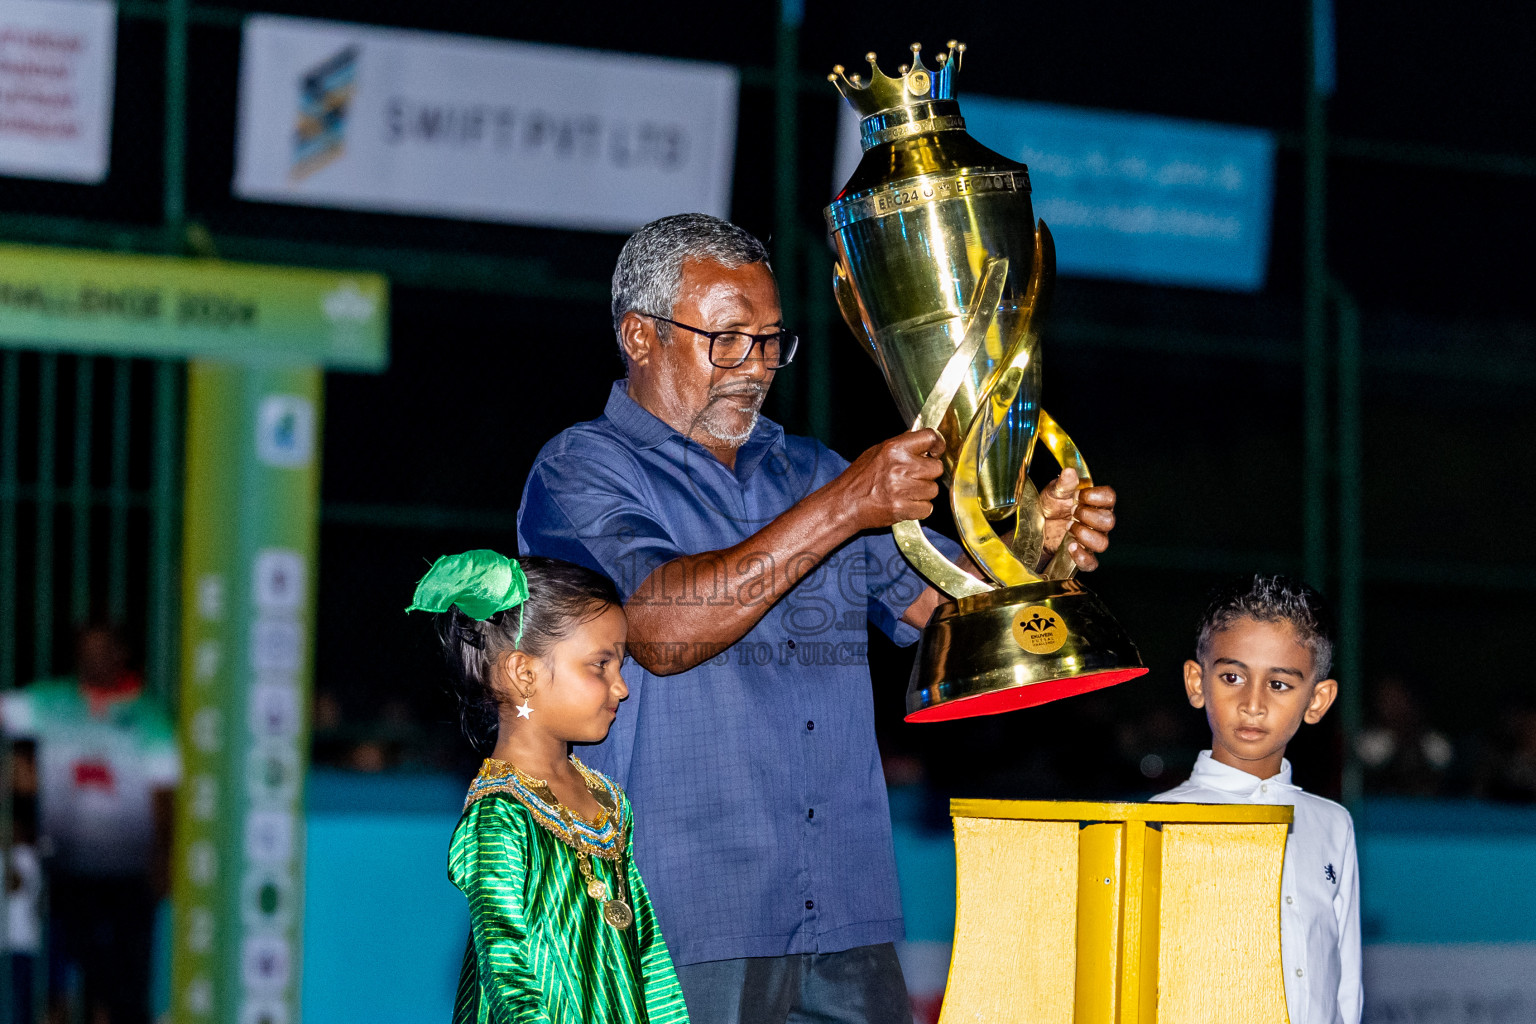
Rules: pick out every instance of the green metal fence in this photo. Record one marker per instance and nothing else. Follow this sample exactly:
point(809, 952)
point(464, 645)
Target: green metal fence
point(89, 517)
point(92, 494)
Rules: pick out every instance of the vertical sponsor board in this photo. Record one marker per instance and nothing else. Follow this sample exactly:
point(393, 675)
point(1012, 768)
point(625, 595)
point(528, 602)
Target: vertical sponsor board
point(250, 539)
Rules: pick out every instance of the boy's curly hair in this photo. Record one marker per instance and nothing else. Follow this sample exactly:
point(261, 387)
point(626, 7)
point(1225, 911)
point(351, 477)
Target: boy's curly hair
point(1271, 598)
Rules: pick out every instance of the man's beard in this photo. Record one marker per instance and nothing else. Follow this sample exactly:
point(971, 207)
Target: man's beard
point(714, 420)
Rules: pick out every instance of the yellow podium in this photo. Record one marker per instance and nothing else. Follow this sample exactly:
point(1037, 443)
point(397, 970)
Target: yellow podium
point(1084, 913)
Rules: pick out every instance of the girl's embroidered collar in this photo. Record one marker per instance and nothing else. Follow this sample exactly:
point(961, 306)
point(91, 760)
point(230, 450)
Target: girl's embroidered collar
point(603, 838)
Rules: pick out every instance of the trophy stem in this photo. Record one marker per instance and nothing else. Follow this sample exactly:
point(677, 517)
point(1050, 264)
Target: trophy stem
point(914, 544)
point(993, 404)
point(989, 292)
point(1067, 456)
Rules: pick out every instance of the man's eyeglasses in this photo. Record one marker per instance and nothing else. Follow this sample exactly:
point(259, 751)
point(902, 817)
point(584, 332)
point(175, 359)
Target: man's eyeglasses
point(729, 349)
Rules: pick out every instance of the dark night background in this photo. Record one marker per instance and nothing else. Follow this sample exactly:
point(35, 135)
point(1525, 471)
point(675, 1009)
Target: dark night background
point(1188, 402)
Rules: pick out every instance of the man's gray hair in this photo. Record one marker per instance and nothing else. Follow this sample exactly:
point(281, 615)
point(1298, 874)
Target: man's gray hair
point(650, 268)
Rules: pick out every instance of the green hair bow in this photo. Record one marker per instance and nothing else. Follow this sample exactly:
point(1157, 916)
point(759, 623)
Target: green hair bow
point(480, 582)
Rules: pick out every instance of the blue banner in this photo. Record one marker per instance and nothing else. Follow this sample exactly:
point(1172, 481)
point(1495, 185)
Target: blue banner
point(1138, 197)
point(1131, 196)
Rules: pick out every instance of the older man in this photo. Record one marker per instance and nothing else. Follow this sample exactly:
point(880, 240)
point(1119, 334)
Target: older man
point(751, 562)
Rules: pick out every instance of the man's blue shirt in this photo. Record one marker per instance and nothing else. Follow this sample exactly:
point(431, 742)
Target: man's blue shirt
point(762, 824)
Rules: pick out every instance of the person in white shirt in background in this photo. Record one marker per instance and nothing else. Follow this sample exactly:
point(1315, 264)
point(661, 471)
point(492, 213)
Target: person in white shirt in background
point(1260, 670)
point(97, 757)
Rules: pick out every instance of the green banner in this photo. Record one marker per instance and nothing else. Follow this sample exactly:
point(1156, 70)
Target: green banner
point(251, 522)
point(170, 307)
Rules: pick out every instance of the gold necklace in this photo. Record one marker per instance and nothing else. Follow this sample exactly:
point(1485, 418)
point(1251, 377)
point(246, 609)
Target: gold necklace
point(616, 909)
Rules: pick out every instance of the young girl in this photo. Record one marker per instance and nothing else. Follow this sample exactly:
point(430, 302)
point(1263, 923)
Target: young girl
point(561, 928)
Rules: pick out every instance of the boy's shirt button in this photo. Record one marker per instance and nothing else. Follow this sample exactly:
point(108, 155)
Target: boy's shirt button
point(1298, 972)
point(1289, 900)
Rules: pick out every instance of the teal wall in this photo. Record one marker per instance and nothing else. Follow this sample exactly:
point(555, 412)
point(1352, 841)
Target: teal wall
point(384, 930)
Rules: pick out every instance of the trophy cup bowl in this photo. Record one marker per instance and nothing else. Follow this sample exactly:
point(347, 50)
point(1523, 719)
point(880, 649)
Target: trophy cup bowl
point(944, 276)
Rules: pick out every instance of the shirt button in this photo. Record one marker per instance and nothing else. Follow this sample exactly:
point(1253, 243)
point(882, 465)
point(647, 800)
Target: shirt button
point(811, 905)
point(1289, 900)
point(811, 813)
point(810, 726)
point(1298, 972)
point(791, 645)
point(1263, 789)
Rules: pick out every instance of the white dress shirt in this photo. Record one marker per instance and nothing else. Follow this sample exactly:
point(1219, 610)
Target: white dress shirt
point(1319, 888)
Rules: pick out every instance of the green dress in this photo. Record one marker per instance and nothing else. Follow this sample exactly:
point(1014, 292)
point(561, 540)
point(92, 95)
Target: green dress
point(541, 946)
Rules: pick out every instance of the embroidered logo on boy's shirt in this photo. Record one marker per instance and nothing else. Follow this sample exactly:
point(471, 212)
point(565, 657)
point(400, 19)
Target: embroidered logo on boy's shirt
point(1330, 874)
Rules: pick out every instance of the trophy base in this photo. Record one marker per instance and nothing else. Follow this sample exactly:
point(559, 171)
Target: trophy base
point(1016, 648)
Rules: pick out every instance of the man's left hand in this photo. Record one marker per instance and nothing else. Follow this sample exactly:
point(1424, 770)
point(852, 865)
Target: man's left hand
point(1081, 518)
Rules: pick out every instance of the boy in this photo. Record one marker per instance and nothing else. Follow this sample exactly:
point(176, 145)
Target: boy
point(1260, 670)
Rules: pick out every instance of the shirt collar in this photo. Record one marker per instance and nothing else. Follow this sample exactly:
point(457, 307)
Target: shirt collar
point(101, 699)
point(647, 430)
point(766, 436)
point(1212, 773)
point(641, 426)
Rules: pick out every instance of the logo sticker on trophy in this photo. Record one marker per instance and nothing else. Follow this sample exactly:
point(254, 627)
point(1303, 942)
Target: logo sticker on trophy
point(944, 276)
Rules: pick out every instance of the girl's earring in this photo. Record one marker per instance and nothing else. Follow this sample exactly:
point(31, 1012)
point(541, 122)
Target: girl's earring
point(525, 710)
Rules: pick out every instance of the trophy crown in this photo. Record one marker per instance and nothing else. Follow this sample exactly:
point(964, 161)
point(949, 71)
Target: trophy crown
point(916, 84)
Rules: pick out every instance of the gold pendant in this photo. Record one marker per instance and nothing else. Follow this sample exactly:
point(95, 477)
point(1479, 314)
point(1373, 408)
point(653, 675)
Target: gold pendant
point(618, 914)
point(597, 888)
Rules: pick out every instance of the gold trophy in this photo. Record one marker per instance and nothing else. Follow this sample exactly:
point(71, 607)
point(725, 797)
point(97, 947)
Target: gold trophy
point(943, 275)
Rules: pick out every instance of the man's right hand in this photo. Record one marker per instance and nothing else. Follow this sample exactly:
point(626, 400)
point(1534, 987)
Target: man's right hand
point(894, 481)
point(669, 631)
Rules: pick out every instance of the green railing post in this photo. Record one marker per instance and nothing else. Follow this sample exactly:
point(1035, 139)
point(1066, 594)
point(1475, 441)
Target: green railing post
point(1314, 313)
point(10, 422)
point(174, 199)
point(80, 536)
point(161, 624)
point(10, 419)
point(1351, 558)
point(117, 538)
point(786, 241)
point(44, 507)
point(163, 560)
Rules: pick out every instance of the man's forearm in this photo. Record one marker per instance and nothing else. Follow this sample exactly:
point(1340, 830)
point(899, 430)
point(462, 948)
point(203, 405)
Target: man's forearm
point(692, 608)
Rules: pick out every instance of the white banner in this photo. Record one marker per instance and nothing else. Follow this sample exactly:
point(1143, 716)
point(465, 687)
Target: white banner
point(334, 114)
point(56, 63)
